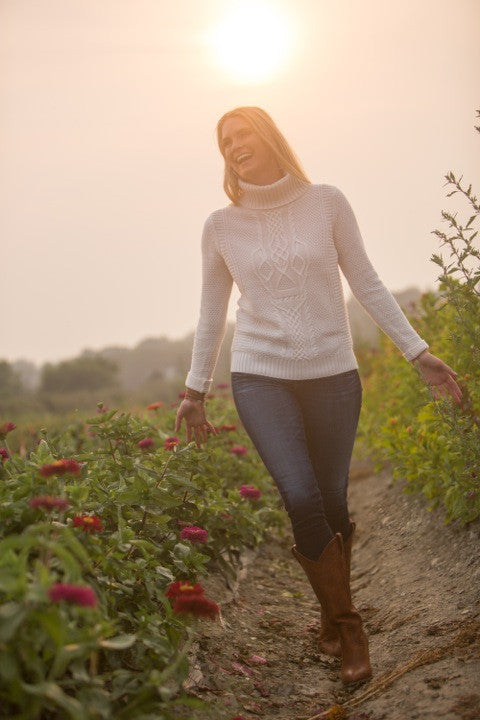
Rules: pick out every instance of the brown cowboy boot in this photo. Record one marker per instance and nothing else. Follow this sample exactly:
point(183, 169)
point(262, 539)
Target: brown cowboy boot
point(328, 578)
point(329, 639)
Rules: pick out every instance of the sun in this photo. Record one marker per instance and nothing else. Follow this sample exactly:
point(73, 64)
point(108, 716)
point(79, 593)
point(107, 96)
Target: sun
point(253, 40)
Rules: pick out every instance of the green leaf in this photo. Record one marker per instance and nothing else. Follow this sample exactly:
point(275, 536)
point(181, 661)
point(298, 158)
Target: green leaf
point(121, 642)
point(52, 691)
point(11, 616)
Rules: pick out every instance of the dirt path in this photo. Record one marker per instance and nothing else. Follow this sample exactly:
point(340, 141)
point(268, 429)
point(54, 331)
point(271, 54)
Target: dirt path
point(417, 584)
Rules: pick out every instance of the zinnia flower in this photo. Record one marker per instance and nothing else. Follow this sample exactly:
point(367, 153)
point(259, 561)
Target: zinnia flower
point(197, 605)
point(146, 443)
point(6, 428)
point(238, 450)
point(88, 523)
point(250, 491)
point(155, 406)
point(75, 594)
point(3, 454)
point(183, 587)
point(170, 442)
point(61, 467)
point(49, 502)
point(194, 534)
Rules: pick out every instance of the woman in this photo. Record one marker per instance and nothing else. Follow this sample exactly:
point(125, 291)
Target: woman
point(295, 380)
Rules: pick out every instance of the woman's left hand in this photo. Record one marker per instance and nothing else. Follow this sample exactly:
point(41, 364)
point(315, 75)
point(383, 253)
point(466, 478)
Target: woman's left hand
point(439, 377)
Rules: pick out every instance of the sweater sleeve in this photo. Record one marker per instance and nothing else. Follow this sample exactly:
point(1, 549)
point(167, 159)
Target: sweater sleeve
point(365, 284)
point(216, 289)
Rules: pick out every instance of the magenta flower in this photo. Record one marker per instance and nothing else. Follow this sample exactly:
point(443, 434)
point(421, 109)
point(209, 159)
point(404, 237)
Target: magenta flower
point(146, 444)
point(194, 534)
point(170, 442)
point(88, 523)
point(238, 450)
point(250, 491)
point(3, 454)
point(181, 587)
point(75, 594)
point(6, 428)
point(61, 467)
point(49, 502)
point(197, 605)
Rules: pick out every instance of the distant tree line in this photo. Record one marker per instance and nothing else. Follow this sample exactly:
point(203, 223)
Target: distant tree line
point(153, 370)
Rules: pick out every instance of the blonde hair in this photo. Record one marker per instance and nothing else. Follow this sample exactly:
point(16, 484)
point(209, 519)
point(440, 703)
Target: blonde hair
point(263, 124)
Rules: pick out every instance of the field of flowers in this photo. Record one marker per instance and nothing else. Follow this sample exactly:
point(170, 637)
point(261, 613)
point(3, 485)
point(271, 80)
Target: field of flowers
point(435, 445)
point(106, 530)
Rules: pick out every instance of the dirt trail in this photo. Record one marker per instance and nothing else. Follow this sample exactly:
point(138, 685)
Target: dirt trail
point(417, 584)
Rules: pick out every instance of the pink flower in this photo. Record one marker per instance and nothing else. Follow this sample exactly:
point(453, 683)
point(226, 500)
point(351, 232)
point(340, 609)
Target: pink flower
point(75, 594)
point(49, 502)
point(6, 428)
point(3, 454)
point(196, 605)
point(155, 406)
point(250, 491)
point(61, 467)
point(183, 587)
point(146, 444)
point(194, 534)
point(88, 523)
point(170, 442)
point(238, 450)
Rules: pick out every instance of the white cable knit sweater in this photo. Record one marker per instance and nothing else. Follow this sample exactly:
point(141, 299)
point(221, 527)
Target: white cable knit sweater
point(283, 246)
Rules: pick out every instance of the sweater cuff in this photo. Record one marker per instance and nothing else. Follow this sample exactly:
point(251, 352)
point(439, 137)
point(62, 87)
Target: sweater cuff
point(202, 385)
point(415, 350)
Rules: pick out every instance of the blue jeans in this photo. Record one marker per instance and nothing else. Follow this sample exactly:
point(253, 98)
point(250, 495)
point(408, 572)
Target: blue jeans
point(304, 432)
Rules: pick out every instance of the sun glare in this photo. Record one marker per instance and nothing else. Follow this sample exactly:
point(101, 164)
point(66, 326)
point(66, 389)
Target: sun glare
point(252, 41)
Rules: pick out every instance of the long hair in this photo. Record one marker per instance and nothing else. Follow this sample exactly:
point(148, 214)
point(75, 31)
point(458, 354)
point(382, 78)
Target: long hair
point(263, 124)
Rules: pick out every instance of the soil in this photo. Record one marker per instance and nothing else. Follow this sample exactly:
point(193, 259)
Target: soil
point(415, 581)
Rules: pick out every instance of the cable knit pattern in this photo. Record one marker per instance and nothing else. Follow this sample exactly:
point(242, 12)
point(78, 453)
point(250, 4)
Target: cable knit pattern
point(283, 246)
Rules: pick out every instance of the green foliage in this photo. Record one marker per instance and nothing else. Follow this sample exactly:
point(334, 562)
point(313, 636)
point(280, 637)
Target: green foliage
point(435, 445)
point(87, 372)
point(127, 657)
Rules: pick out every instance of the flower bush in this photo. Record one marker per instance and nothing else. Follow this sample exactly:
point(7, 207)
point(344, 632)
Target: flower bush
point(102, 549)
point(435, 445)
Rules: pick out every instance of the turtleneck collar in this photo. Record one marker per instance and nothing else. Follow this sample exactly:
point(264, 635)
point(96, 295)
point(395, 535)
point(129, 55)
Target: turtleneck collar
point(264, 197)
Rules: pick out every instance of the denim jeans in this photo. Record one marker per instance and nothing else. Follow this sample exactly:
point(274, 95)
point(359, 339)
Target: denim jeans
point(304, 432)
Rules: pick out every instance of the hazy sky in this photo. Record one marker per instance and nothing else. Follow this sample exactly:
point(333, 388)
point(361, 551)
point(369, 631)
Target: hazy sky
point(108, 163)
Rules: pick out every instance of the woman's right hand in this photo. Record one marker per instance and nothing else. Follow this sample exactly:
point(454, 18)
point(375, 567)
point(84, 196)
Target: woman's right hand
point(193, 412)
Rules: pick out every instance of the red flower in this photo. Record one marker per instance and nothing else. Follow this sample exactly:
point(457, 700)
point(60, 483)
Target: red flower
point(238, 450)
point(6, 428)
point(146, 444)
point(75, 594)
point(170, 442)
point(197, 605)
point(3, 454)
point(49, 502)
point(61, 467)
point(181, 395)
point(250, 491)
point(228, 428)
point(155, 406)
point(194, 534)
point(88, 523)
point(183, 587)
point(222, 386)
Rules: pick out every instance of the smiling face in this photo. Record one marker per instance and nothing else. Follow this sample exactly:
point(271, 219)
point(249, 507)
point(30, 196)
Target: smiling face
point(247, 154)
